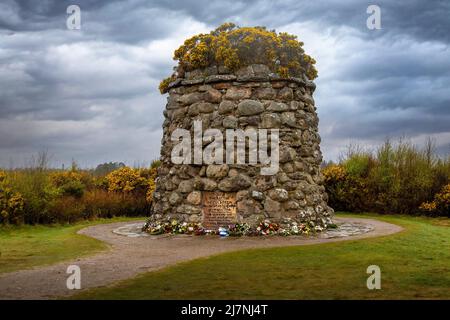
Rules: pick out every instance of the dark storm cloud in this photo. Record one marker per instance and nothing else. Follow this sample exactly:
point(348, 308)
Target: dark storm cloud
point(92, 94)
point(30, 15)
point(426, 20)
point(125, 21)
point(135, 20)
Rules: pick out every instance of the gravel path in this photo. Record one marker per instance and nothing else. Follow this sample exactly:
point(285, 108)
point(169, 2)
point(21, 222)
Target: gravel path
point(129, 256)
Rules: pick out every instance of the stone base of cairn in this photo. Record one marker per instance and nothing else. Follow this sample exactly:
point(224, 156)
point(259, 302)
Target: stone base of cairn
point(251, 97)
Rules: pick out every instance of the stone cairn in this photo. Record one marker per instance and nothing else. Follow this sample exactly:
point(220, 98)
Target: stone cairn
point(251, 97)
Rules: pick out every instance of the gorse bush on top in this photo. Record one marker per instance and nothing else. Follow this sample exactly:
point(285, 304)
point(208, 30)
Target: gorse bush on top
point(233, 47)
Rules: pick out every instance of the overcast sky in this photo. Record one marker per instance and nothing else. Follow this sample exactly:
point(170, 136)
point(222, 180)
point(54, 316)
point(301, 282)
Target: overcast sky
point(92, 94)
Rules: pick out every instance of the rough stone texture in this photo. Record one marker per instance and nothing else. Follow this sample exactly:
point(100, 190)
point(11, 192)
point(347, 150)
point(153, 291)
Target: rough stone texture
point(195, 198)
point(252, 97)
point(217, 171)
point(250, 107)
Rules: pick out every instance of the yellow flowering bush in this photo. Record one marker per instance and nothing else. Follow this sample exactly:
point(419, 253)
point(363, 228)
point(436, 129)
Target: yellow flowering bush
point(428, 206)
point(440, 204)
point(11, 203)
point(443, 197)
point(395, 178)
point(346, 192)
point(129, 180)
point(234, 47)
point(2, 176)
point(64, 196)
point(64, 177)
point(126, 179)
point(151, 185)
point(334, 173)
point(68, 182)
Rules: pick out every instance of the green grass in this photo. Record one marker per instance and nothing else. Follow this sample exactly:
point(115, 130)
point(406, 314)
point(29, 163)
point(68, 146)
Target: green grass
point(26, 246)
point(414, 264)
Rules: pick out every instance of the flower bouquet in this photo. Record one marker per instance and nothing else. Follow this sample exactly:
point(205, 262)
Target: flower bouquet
point(264, 228)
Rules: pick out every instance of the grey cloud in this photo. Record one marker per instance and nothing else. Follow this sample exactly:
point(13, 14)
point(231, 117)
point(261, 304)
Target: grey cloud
point(135, 20)
point(92, 94)
point(424, 20)
point(130, 21)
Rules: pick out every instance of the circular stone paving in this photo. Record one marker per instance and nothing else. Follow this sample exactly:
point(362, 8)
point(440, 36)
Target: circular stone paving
point(344, 229)
point(131, 230)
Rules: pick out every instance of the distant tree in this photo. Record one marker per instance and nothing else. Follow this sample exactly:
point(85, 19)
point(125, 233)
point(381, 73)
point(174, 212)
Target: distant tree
point(107, 167)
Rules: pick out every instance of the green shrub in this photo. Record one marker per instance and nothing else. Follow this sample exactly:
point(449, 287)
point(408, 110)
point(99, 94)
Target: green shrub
point(11, 203)
point(346, 192)
point(107, 204)
point(155, 164)
point(37, 191)
point(394, 179)
point(65, 209)
point(69, 183)
point(359, 165)
point(440, 205)
point(40, 195)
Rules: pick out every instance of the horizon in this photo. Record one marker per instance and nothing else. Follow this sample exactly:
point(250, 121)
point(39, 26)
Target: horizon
point(31, 160)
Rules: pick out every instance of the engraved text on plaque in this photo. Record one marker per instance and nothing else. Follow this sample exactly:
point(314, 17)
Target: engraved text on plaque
point(219, 209)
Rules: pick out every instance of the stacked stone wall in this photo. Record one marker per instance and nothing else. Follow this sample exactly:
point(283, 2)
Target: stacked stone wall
point(252, 97)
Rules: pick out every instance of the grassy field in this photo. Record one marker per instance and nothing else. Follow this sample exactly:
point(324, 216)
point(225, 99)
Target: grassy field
point(414, 264)
point(28, 246)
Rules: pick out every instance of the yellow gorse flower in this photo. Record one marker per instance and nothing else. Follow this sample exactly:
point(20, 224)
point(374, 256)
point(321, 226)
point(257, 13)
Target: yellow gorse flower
point(129, 180)
point(233, 47)
point(334, 173)
point(125, 179)
point(61, 178)
point(441, 201)
point(11, 203)
point(2, 176)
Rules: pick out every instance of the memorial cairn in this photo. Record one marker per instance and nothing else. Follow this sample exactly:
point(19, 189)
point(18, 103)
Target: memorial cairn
point(247, 88)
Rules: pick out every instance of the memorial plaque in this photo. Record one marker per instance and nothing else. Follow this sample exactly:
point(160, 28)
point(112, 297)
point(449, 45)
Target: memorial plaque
point(219, 209)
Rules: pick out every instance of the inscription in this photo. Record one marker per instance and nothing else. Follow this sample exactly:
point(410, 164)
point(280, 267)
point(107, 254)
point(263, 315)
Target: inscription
point(219, 209)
